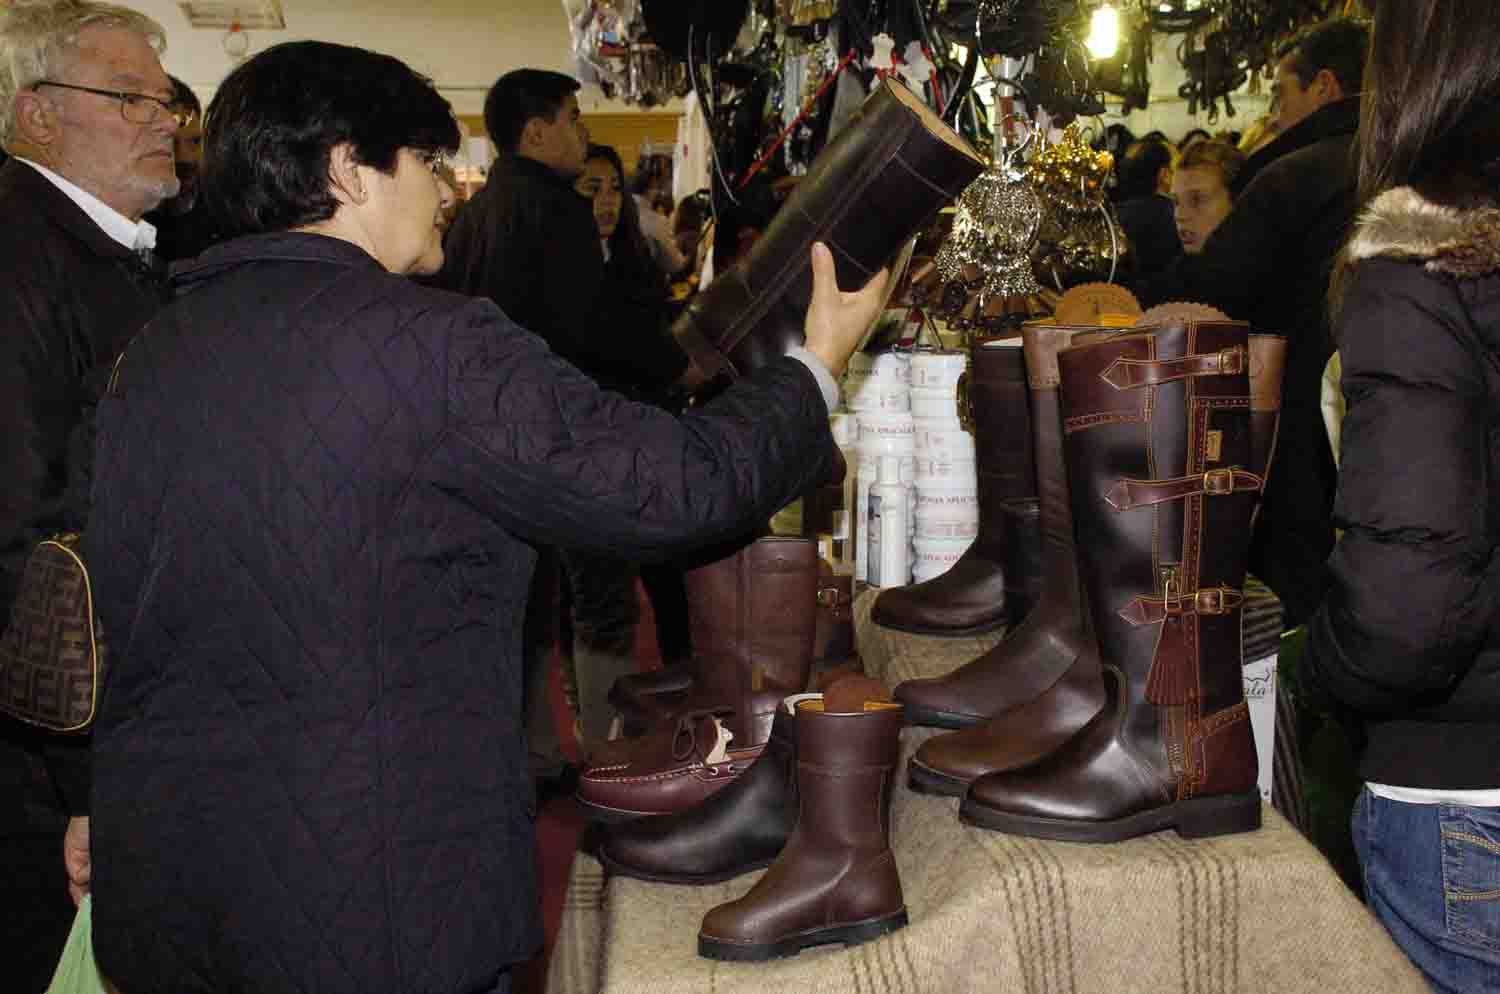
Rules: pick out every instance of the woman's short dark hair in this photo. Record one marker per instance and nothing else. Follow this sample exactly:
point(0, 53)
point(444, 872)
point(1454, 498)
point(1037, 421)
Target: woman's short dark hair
point(273, 122)
point(517, 97)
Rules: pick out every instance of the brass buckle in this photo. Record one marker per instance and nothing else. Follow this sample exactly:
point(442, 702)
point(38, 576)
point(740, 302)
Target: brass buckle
point(1218, 482)
point(1210, 601)
point(828, 597)
point(1171, 595)
point(1231, 361)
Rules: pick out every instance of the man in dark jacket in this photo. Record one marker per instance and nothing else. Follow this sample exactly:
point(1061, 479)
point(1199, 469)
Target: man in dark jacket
point(74, 288)
point(528, 242)
point(1268, 263)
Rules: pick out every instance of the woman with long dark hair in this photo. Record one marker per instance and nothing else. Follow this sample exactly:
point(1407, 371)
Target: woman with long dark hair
point(1406, 637)
point(634, 356)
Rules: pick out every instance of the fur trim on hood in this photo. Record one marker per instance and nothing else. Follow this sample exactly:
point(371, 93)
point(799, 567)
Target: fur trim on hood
point(1401, 224)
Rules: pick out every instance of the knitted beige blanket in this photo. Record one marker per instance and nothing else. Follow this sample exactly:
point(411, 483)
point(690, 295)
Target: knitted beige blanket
point(1253, 913)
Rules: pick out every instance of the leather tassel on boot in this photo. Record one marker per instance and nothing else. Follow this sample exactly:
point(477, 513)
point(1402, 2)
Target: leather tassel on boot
point(836, 879)
point(1158, 437)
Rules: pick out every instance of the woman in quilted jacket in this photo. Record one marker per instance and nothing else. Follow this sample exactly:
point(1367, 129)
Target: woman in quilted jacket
point(1407, 637)
point(317, 496)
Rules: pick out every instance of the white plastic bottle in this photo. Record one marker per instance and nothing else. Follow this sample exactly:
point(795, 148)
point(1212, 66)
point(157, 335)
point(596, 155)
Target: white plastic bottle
point(887, 562)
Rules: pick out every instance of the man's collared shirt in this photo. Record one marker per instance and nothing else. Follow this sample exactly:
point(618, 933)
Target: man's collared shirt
point(138, 236)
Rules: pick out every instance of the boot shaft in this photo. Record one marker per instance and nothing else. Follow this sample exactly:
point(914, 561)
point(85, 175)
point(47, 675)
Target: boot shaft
point(870, 189)
point(753, 618)
point(846, 764)
point(1041, 345)
point(999, 415)
point(1157, 433)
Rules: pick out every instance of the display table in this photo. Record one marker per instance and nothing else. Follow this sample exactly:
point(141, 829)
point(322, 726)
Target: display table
point(989, 912)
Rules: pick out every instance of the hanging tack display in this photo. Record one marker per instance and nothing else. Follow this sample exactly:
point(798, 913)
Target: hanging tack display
point(1080, 240)
point(994, 228)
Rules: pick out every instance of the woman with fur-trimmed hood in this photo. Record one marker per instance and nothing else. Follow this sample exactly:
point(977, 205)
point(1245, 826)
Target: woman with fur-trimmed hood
point(1407, 636)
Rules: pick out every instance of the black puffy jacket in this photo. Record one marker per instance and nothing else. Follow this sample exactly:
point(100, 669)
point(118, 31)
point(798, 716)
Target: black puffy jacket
point(1407, 635)
point(318, 488)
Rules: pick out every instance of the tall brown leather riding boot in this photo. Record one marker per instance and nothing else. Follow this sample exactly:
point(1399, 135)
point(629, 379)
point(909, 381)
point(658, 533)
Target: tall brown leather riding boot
point(947, 764)
point(1157, 432)
point(874, 186)
point(836, 879)
point(752, 616)
point(990, 585)
point(647, 699)
point(1048, 643)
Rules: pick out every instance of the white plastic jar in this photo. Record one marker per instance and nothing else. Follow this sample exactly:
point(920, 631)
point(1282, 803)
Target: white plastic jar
point(936, 556)
point(937, 370)
point(943, 438)
point(947, 511)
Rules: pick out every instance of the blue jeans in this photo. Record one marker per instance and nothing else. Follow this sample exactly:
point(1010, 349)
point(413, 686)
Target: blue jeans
point(1432, 878)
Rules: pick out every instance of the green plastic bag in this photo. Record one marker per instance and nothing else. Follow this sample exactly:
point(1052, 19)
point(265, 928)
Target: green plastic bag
point(76, 973)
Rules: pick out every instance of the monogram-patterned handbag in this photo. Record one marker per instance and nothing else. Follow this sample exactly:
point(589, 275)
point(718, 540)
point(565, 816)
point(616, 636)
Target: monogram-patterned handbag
point(52, 652)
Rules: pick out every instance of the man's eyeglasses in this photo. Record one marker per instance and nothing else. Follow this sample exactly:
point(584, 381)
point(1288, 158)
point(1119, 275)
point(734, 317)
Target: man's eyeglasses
point(137, 108)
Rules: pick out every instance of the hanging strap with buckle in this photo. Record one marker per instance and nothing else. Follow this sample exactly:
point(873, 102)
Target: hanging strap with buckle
point(1128, 494)
point(1132, 374)
point(1209, 601)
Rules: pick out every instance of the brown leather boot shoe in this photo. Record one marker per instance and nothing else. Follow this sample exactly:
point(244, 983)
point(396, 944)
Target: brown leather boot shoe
point(1158, 437)
point(873, 187)
point(836, 879)
point(988, 587)
point(1048, 643)
point(753, 617)
point(740, 828)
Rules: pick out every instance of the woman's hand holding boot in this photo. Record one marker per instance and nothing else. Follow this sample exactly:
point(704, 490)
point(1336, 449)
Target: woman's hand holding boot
point(837, 320)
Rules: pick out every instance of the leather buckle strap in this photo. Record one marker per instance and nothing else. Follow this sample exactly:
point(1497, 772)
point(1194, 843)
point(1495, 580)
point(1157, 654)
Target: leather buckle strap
point(1132, 374)
point(1209, 601)
point(1128, 494)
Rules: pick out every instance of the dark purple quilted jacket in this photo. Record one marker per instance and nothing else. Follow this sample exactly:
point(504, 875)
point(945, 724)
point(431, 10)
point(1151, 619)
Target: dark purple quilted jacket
point(316, 492)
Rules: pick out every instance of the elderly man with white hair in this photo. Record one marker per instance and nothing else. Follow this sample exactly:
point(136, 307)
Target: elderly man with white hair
point(86, 118)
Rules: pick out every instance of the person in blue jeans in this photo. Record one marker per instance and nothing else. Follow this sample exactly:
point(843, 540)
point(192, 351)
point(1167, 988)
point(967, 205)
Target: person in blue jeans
point(1406, 638)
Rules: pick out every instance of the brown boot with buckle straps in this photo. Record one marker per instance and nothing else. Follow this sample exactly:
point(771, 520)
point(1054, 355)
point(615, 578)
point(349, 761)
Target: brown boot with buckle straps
point(1157, 430)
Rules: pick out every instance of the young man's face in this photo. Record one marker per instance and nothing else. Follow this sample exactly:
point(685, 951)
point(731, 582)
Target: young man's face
point(561, 143)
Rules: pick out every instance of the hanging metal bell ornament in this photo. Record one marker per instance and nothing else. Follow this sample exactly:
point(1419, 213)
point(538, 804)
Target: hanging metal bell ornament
point(996, 223)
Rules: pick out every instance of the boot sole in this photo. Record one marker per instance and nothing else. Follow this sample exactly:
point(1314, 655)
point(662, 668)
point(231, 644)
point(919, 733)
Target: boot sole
point(849, 935)
point(925, 780)
point(1195, 818)
point(683, 879)
point(928, 718)
point(982, 629)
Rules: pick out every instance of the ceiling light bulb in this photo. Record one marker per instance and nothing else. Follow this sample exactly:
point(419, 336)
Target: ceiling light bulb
point(1104, 32)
